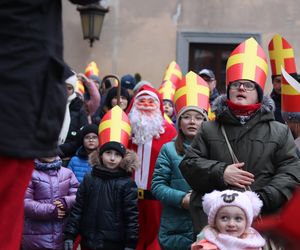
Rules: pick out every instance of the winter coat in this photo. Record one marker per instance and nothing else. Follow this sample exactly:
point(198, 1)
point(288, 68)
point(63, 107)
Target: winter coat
point(78, 120)
point(42, 228)
point(79, 164)
point(32, 93)
point(169, 186)
point(105, 213)
point(265, 146)
point(277, 100)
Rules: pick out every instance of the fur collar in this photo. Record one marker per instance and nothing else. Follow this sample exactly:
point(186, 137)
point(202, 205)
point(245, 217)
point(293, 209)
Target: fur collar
point(252, 240)
point(219, 106)
point(129, 163)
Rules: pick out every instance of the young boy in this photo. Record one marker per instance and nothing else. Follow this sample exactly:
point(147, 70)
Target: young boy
point(230, 215)
point(88, 136)
point(105, 213)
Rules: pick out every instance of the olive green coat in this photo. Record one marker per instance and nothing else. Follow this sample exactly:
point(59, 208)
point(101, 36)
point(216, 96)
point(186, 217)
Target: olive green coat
point(265, 146)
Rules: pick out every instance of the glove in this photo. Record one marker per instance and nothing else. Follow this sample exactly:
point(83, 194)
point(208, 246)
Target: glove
point(68, 244)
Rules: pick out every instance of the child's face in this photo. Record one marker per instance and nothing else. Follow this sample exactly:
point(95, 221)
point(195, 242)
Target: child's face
point(168, 108)
point(231, 220)
point(111, 158)
point(90, 141)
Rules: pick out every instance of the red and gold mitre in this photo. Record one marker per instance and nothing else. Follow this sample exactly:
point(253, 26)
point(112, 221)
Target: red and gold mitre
point(281, 54)
point(114, 127)
point(247, 61)
point(80, 87)
point(91, 69)
point(173, 73)
point(290, 97)
point(167, 90)
point(192, 92)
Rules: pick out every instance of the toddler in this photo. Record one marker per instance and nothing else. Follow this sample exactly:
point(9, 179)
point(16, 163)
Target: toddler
point(230, 215)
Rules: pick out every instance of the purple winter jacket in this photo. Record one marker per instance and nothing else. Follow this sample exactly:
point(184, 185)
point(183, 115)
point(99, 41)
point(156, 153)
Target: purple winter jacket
point(42, 228)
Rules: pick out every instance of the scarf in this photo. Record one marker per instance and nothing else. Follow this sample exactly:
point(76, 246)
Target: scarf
point(54, 165)
point(67, 120)
point(251, 240)
point(243, 110)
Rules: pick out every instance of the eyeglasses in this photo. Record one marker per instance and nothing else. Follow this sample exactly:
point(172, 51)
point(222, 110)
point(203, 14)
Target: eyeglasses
point(248, 86)
point(91, 138)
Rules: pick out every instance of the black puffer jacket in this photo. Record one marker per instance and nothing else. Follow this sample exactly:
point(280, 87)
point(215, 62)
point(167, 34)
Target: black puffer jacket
point(265, 146)
point(105, 213)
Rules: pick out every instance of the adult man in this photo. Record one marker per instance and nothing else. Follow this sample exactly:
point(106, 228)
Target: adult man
point(267, 155)
point(209, 76)
point(149, 132)
point(32, 100)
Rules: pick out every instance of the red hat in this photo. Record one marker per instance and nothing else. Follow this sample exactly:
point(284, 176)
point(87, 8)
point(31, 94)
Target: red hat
point(167, 90)
point(114, 130)
point(247, 61)
point(281, 54)
point(192, 93)
point(147, 90)
point(173, 73)
point(91, 69)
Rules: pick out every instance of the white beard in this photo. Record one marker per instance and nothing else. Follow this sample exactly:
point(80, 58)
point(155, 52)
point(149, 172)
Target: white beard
point(144, 126)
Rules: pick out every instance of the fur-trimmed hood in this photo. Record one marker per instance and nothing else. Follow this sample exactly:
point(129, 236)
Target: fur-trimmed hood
point(219, 105)
point(130, 162)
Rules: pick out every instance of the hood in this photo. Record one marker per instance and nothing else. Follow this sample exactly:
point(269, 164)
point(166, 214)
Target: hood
point(129, 163)
point(220, 108)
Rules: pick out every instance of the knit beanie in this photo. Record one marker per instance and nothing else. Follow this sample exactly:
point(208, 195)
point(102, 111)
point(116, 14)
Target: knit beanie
point(113, 145)
point(128, 82)
point(90, 128)
point(248, 201)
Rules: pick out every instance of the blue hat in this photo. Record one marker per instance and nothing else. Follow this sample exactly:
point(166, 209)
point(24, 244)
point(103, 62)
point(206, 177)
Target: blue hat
point(128, 82)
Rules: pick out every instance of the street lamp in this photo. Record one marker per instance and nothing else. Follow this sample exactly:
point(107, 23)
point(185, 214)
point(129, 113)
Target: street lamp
point(92, 17)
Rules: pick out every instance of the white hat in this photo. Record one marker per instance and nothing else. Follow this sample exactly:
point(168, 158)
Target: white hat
point(72, 80)
point(248, 201)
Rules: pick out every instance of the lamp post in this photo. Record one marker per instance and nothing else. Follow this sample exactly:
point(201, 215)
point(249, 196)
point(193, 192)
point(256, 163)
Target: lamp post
point(92, 17)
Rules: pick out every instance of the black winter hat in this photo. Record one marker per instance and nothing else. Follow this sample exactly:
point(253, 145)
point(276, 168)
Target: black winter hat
point(113, 93)
point(113, 145)
point(90, 128)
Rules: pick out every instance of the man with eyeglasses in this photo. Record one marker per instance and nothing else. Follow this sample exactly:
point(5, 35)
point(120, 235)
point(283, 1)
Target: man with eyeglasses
point(267, 157)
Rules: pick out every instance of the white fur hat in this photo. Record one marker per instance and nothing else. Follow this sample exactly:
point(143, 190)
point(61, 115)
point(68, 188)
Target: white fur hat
point(248, 201)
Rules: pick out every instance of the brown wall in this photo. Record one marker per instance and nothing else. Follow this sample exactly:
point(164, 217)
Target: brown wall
point(141, 36)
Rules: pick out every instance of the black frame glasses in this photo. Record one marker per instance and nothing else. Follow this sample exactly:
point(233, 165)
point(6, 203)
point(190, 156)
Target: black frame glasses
point(248, 86)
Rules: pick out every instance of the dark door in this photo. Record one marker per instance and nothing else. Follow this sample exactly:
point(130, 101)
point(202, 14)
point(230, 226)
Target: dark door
point(211, 56)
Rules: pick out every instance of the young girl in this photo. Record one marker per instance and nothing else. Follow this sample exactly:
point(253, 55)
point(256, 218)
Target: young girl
point(49, 197)
point(230, 215)
point(105, 213)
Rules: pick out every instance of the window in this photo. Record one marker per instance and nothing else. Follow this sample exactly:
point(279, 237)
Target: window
point(196, 51)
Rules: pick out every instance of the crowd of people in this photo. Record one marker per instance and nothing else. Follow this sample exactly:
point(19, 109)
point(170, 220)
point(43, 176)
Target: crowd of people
point(122, 165)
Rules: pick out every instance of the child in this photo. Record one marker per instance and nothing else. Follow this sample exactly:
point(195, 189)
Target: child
point(49, 197)
point(230, 215)
point(88, 137)
point(105, 213)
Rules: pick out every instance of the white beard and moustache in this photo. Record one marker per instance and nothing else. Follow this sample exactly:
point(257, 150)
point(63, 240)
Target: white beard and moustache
point(144, 126)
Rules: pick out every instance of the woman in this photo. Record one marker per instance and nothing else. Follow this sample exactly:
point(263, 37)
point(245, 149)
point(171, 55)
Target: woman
point(168, 185)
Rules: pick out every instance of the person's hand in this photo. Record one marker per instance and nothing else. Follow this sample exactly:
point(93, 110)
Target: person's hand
point(59, 204)
point(185, 203)
point(61, 213)
point(69, 244)
point(82, 77)
point(234, 175)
